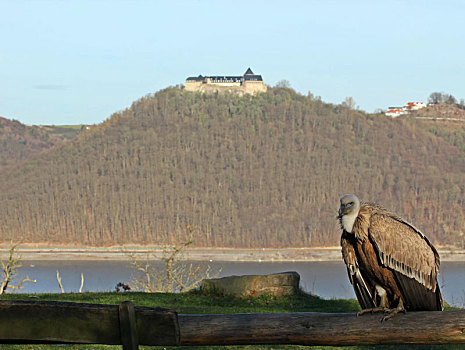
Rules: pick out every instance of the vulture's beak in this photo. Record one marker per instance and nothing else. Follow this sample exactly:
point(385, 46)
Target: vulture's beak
point(341, 210)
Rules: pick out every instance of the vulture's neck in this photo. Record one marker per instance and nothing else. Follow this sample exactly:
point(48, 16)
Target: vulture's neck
point(348, 221)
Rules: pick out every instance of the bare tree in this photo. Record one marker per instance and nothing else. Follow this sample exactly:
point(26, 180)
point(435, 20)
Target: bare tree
point(349, 103)
point(284, 84)
point(61, 284)
point(451, 100)
point(82, 283)
point(177, 276)
point(10, 271)
point(147, 278)
point(435, 98)
point(440, 97)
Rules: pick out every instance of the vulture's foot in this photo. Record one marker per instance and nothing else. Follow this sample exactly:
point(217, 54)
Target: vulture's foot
point(372, 310)
point(390, 313)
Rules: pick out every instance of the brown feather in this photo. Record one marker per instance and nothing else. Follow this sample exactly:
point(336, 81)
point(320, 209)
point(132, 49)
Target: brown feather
point(402, 247)
point(375, 273)
point(363, 291)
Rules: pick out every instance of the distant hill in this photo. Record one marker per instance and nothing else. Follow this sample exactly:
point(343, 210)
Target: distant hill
point(263, 171)
point(19, 142)
point(446, 121)
point(441, 112)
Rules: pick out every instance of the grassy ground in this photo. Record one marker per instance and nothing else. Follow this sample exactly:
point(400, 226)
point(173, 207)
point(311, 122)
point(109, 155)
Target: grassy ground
point(197, 303)
point(63, 131)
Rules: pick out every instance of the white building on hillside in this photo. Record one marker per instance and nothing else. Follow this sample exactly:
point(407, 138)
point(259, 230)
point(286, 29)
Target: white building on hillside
point(395, 112)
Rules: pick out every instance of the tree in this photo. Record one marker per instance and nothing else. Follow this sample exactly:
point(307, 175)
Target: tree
point(440, 97)
point(10, 271)
point(435, 97)
point(462, 104)
point(348, 103)
point(451, 100)
point(177, 276)
point(285, 84)
point(61, 284)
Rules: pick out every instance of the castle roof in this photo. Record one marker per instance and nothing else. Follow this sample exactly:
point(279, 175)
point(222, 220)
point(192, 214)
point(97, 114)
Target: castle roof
point(199, 78)
point(248, 72)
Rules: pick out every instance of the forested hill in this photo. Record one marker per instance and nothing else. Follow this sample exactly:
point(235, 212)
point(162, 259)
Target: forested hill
point(19, 142)
point(263, 171)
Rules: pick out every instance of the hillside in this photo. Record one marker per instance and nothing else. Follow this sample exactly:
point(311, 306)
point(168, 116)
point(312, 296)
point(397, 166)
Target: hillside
point(441, 111)
point(19, 142)
point(264, 171)
point(445, 121)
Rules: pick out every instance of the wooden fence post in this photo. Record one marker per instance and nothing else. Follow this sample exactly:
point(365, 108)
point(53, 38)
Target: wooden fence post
point(127, 326)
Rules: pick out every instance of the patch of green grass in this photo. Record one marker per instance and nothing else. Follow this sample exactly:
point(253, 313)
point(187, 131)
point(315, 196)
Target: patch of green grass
point(74, 126)
point(62, 131)
point(199, 303)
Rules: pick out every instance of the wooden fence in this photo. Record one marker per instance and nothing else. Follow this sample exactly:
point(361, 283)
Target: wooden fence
point(43, 322)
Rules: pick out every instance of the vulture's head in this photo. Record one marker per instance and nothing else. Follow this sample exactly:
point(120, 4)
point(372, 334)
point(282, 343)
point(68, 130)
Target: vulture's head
point(348, 211)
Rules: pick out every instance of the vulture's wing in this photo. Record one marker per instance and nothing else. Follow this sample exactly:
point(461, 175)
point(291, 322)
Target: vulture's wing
point(415, 262)
point(365, 295)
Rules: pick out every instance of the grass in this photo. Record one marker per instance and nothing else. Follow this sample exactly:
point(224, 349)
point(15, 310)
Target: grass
point(63, 131)
point(198, 303)
point(73, 126)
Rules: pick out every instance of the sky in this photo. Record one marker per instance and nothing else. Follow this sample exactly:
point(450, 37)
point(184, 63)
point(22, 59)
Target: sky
point(77, 62)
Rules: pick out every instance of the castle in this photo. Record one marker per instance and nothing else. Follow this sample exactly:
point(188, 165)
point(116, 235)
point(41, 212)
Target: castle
point(249, 83)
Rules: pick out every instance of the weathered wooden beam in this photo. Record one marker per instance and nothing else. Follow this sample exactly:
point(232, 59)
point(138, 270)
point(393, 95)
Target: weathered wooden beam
point(128, 326)
point(59, 322)
point(433, 327)
point(63, 322)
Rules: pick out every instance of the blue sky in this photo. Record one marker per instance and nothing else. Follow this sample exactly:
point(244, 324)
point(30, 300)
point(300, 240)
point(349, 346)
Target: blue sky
point(73, 62)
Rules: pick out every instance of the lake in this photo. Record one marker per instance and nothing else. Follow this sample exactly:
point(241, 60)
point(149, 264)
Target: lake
point(326, 279)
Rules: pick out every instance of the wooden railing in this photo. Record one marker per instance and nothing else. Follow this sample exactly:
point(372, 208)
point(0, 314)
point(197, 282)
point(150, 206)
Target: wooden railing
point(42, 322)
point(45, 322)
point(307, 328)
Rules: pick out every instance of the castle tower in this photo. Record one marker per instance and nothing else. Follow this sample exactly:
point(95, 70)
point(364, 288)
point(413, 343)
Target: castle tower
point(253, 83)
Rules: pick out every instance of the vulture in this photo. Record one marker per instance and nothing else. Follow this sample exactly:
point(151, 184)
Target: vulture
point(392, 266)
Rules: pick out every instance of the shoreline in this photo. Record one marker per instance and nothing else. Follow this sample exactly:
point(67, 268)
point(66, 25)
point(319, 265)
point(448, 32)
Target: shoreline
point(198, 254)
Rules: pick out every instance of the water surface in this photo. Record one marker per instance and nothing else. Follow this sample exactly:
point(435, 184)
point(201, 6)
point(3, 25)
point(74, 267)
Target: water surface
point(325, 279)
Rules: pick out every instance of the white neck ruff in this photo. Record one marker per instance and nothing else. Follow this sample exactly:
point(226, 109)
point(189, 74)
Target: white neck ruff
point(348, 221)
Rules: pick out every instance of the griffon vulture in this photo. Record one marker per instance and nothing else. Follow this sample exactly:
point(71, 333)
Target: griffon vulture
point(392, 266)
